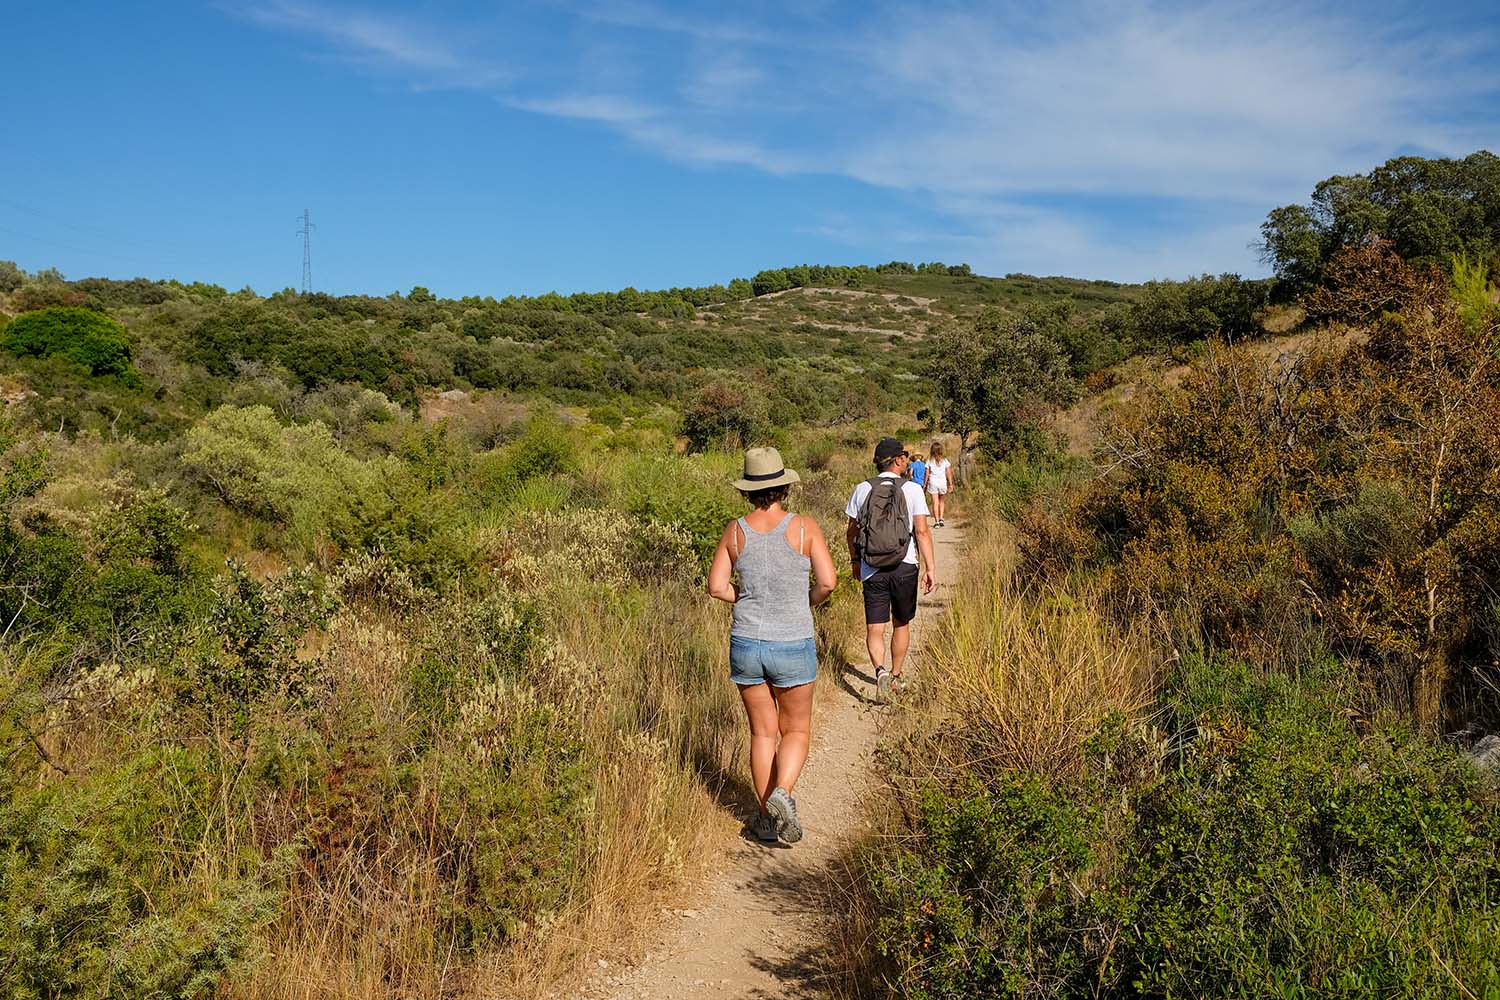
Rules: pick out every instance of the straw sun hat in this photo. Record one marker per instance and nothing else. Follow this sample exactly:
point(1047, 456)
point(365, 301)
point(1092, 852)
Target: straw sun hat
point(763, 470)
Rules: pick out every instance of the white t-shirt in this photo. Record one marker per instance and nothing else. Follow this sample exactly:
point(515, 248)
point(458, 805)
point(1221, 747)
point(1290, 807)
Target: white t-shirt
point(916, 506)
point(937, 474)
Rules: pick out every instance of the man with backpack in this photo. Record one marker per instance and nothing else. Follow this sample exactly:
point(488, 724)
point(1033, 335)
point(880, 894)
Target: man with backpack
point(887, 527)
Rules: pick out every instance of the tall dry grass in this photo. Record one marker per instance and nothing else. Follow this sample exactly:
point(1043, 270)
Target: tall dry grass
point(640, 674)
point(1011, 680)
point(644, 671)
point(349, 792)
point(1022, 677)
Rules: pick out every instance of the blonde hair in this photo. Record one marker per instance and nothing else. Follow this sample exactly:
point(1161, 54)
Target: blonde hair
point(937, 449)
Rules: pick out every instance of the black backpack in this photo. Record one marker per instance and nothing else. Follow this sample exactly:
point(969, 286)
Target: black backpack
point(884, 524)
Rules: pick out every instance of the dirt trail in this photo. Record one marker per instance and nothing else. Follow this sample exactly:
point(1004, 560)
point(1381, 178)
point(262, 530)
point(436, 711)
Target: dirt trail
point(755, 929)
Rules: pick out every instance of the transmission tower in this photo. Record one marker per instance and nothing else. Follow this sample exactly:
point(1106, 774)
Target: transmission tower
point(306, 233)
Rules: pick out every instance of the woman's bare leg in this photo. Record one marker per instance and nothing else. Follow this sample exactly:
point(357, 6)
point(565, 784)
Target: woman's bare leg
point(760, 709)
point(794, 713)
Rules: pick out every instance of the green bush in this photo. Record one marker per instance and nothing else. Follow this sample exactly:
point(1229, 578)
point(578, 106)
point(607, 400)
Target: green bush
point(251, 632)
point(94, 898)
point(545, 451)
point(513, 794)
point(86, 338)
point(986, 907)
point(298, 476)
point(1275, 850)
point(690, 496)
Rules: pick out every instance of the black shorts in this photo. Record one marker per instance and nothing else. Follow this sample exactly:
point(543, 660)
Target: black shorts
point(891, 593)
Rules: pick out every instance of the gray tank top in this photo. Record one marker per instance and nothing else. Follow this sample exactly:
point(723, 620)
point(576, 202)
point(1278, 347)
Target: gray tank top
point(773, 587)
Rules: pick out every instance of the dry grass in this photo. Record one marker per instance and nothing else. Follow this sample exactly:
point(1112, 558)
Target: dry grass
point(1026, 677)
point(663, 728)
point(1012, 680)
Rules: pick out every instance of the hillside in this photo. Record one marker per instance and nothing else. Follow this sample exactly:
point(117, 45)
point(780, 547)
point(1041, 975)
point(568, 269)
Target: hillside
point(804, 355)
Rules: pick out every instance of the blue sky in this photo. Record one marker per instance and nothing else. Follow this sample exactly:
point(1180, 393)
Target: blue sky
point(497, 148)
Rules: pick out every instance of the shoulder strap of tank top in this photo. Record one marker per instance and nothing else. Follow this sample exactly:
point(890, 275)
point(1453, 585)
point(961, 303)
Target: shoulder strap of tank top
point(735, 548)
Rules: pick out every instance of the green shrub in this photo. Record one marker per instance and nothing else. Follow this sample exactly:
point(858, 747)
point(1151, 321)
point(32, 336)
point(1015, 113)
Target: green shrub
point(608, 416)
point(1277, 850)
point(512, 797)
point(95, 901)
point(687, 495)
point(546, 451)
point(987, 906)
point(726, 415)
point(251, 634)
point(298, 476)
point(1472, 292)
point(86, 338)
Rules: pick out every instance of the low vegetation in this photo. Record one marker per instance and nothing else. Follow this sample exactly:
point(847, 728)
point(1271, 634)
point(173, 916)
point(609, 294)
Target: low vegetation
point(356, 646)
point(1200, 713)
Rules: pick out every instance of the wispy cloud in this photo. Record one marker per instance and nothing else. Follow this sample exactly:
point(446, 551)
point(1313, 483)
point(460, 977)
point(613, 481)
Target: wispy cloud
point(997, 114)
point(610, 109)
point(381, 42)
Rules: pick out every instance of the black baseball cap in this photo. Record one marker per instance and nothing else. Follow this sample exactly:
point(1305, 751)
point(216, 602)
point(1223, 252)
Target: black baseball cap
point(889, 448)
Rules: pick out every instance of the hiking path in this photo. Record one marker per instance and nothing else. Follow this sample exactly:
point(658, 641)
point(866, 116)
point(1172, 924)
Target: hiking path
point(756, 928)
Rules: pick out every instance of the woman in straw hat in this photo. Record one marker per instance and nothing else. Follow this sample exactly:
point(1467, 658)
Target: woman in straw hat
point(772, 656)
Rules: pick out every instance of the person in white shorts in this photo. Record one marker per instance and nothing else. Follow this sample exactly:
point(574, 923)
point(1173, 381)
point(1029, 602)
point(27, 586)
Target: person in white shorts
point(939, 483)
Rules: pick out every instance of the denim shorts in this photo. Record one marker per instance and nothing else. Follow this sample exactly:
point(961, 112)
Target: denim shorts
point(780, 664)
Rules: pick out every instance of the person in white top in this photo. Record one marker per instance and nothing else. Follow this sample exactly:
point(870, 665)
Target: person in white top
point(891, 594)
point(939, 482)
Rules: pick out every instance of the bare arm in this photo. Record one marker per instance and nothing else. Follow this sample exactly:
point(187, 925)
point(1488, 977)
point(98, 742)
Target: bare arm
point(722, 568)
point(824, 576)
point(924, 546)
point(851, 535)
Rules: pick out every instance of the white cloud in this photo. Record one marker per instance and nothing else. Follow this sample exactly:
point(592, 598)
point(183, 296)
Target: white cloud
point(382, 43)
point(607, 108)
point(992, 111)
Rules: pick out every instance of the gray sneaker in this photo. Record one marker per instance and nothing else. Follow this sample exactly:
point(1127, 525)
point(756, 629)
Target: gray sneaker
point(882, 684)
point(763, 828)
point(784, 809)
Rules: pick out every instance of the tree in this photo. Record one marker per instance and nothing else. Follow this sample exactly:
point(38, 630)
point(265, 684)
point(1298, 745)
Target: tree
point(1430, 209)
point(726, 416)
point(82, 336)
point(998, 377)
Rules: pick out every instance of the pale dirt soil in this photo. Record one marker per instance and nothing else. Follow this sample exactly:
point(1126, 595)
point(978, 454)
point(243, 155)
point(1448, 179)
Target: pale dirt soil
point(757, 927)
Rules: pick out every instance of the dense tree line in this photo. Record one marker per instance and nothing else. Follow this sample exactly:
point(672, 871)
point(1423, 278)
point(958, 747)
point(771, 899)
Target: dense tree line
point(782, 279)
point(1429, 209)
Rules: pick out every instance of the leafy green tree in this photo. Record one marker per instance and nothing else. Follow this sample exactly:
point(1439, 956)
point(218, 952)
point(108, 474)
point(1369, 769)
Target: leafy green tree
point(999, 376)
point(297, 476)
point(1430, 209)
point(87, 338)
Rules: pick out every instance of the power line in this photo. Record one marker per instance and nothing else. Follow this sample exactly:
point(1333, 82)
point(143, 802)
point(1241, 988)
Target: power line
point(55, 220)
point(136, 261)
point(306, 233)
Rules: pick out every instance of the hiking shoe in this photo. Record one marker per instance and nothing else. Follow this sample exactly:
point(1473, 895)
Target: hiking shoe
point(882, 684)
point(898, 683)
point(763, 828)
point(784, 809)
